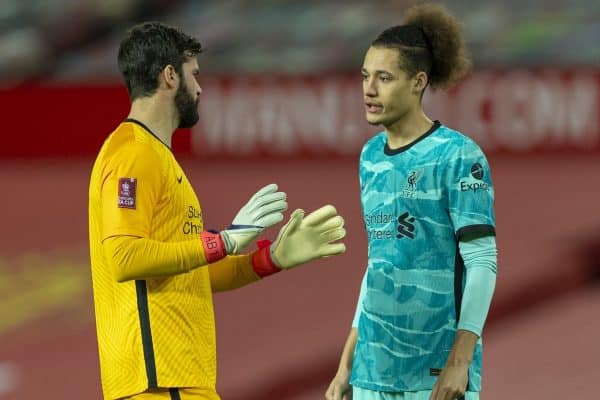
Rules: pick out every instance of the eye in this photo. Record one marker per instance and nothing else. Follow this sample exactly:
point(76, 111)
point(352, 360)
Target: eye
point(384, 78)
point(365, 76)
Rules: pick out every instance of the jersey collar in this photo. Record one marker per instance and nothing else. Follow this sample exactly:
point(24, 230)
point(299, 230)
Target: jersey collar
point(391, 152)
point(135, 121)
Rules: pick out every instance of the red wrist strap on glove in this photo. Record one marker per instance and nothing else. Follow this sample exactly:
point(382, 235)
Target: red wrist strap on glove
point(214, 247)
point(262, 263)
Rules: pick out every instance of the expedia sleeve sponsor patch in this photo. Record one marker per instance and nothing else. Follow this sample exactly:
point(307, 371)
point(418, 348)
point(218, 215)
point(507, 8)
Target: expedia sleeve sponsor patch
point(469, 187)
point(474, 181)
point(127, 191)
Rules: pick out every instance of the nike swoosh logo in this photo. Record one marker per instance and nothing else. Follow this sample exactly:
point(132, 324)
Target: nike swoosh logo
point(179, 179)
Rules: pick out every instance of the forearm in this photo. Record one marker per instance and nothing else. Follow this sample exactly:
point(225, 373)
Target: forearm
point(340, 388)
point(231, 272)
point(359, 303)
point(347, 358)
point(461, 354)
point(480, 258)
point(132, 258)
point(477, 297)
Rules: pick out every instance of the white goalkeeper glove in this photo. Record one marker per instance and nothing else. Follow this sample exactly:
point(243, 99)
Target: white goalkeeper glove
point(264, 209)
point(304, 239)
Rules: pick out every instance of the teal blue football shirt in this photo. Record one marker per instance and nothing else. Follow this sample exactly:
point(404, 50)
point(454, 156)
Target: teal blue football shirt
point(418, 201)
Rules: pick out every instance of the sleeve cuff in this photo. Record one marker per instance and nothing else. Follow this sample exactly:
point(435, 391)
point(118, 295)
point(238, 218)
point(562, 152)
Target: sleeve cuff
point(471, 328)
point(476, 231)
point(262, 263)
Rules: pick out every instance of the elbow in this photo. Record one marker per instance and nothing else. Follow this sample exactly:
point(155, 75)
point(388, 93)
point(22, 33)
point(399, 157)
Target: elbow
point(117, 257)
point(121, 277)
point(119, 273)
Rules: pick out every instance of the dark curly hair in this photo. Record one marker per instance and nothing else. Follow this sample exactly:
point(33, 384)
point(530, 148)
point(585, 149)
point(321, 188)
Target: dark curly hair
point(147, 49)
point(430, 40)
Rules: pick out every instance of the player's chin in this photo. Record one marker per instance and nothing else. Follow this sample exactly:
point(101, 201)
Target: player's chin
point(374, 119)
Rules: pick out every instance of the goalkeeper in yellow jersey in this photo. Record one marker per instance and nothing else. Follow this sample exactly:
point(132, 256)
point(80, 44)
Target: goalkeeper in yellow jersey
point(154, 266)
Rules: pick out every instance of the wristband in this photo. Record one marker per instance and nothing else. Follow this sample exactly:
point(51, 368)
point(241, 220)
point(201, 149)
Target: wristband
point(262, 263)
point(214, 247)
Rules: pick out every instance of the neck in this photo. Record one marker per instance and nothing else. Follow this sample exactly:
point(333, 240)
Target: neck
point(158, 115)
point(408, 128)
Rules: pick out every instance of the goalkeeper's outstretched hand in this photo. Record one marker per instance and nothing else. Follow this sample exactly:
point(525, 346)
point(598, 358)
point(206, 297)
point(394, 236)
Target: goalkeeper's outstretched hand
point(264, 209)
point(304, 239)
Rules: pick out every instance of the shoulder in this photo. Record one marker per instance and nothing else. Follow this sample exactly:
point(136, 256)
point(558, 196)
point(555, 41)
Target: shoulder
point(126, 148)
point(375, 143)
point(129, 142)
point(458, 144)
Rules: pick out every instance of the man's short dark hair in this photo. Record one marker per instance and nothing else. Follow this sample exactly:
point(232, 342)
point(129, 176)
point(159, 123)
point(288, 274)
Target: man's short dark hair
point(147, 49)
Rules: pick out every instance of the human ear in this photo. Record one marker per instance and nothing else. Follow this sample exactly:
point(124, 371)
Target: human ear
point(420, 81)
point(170, 76)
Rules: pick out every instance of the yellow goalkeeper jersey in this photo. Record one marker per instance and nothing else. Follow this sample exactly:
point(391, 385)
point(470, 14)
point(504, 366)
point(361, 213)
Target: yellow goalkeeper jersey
point(156, 332)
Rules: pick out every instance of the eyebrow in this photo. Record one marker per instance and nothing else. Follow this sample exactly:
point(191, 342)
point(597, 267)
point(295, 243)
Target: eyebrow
point(378, 71)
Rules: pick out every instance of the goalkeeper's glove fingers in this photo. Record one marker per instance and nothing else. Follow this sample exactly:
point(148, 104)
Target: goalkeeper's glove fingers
point(264, 209)
point(303, 239)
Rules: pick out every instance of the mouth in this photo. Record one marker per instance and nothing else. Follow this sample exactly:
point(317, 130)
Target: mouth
point(373, 107)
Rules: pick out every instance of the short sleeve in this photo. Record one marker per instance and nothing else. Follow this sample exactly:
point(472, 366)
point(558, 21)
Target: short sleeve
point(470, 192)
point(130, 191)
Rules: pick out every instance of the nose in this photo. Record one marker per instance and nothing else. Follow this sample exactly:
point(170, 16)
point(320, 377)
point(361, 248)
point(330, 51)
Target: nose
point(369, 87)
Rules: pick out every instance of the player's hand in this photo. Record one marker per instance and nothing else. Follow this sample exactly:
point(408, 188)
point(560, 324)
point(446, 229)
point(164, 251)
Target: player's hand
point(451, 384)
point(339, 388)
point(304, 239)
point(264, 209)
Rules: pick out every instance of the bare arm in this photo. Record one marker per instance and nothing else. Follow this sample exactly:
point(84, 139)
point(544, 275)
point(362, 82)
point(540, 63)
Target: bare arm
point(340, 388)
point(462, 349)
point(454, 377)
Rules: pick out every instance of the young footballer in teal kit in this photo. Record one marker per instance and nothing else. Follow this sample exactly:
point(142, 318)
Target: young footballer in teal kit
point(427, 199)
